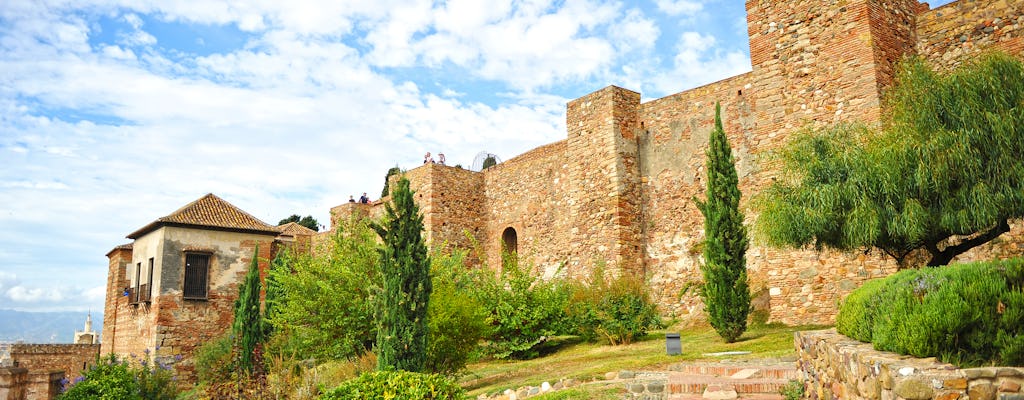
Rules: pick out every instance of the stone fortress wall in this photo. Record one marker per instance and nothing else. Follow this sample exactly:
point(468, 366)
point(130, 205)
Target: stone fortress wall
point(619, 188)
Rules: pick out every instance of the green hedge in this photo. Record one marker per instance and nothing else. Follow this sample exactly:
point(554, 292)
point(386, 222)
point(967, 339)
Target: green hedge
point(396, 385)
point(964, 314)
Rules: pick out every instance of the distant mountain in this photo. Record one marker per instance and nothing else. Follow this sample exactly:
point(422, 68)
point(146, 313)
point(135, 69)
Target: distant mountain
point(44, 327)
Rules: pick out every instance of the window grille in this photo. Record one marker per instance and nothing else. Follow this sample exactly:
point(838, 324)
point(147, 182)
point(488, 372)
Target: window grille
point(148, 293)
point(197, 268)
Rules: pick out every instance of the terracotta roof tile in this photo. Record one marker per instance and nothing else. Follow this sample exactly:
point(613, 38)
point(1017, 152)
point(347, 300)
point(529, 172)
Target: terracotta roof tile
point(293, 229)
point(126, 246)
point(209, 211)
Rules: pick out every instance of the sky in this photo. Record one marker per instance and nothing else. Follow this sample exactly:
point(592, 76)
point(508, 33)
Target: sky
point(116, 112)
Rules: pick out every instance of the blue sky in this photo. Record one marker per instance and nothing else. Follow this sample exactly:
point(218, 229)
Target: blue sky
point(116, 112)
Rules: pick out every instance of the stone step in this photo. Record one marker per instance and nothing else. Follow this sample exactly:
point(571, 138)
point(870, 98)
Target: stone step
point(787, 371)
point(744, 396)
point(719, 392)
point(686, 383)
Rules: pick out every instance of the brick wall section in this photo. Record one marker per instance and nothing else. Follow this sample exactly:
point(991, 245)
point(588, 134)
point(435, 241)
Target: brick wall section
point(950, 34)
point(893, 35)
point(676, 131)
point(44, 385)
point(451, 201)
point(13, 383)
point(17, 383)
point(529, 194)
point(837, 367)
point(117, 279)
point(72, 359)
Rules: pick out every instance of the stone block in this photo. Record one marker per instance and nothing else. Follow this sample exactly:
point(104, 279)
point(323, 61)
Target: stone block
point(982, 391)
point(1009, 387)
point(914, 389)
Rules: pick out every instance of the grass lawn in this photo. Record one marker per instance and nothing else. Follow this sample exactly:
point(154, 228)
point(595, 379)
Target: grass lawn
point(586, 361)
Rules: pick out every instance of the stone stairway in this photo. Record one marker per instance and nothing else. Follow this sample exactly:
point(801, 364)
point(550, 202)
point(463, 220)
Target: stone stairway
point(727, 381)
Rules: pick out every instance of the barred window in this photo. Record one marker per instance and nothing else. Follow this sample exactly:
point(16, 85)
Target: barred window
point(149, 285)
point(138, 283)
point(197, 267)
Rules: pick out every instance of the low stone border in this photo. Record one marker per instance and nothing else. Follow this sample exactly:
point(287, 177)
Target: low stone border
point(638, 385)
point(837, 367)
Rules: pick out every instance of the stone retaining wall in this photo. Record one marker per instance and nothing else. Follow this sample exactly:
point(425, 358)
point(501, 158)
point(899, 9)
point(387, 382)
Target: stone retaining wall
point(18, 383)
point(837, 367)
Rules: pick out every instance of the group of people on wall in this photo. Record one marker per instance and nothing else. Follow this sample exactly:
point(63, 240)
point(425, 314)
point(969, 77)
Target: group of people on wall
point(364, 199)
point(427, 159)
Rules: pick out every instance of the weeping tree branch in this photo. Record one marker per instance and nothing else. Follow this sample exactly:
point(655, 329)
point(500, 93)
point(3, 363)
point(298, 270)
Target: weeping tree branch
point(944, 256)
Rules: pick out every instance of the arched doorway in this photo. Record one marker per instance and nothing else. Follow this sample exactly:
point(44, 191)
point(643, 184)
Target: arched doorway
point(510, 241)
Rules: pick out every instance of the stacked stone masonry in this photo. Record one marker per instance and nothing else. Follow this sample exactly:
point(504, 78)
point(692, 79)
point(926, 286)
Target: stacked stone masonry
point(619, 189)
point(837, 367)
point(17, 383)
point(72, 359)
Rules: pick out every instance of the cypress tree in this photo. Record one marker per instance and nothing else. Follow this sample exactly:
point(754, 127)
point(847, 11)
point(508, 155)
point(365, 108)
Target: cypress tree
point(405, 266)
point(249, 326)
point(725, 293)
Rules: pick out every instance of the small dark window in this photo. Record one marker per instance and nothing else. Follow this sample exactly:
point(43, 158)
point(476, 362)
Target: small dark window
point(510, 241)
point(138, 282)
point(197, 268)
point(149, 285)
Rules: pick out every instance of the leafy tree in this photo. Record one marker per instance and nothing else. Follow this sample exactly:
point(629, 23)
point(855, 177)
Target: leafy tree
point(725, 292)
point(387, 178)
point(248, 326)
point(404, 298)
point(942, 175)
point(457, 322)
point(324, 307)
point(490, 161)
point(307, 221)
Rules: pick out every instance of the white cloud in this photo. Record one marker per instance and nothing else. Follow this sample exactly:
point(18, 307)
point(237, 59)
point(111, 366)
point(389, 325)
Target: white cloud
point(698, 61)
point(679, 7)
point(635, 31)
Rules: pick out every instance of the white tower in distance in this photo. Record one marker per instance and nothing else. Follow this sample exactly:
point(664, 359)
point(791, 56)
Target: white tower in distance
point(86, 336)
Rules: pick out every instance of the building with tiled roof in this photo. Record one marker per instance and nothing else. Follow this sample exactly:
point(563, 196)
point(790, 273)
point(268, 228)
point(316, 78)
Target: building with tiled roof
point(174, 286)
point(212, 212)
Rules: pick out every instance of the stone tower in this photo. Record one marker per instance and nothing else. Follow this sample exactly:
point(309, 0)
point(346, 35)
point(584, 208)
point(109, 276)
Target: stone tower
point(604, 179)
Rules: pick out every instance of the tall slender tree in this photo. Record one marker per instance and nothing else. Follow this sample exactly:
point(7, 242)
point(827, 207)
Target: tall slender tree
point(249, 326)
point(405, 266)
point(725, 292)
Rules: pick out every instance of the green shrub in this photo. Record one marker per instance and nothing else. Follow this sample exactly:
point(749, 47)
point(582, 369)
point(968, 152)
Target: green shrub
point(214, 360)
point(965, 314)
point(114, 379)
point(396, 385)
point(618, 311)
point(522, 309)
point(457, 322)
point(858, 310)
point(793, 390)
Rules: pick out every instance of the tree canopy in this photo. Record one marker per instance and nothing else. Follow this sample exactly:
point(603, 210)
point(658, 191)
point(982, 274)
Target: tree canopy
point(307, 221)
point(942, 173)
